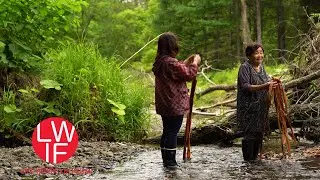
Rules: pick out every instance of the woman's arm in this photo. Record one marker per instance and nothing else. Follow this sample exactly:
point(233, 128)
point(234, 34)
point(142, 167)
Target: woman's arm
point(253, 88)
point(244, 81)
point(179, 71)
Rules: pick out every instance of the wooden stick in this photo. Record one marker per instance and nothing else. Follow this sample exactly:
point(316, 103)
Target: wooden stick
point(187, 133)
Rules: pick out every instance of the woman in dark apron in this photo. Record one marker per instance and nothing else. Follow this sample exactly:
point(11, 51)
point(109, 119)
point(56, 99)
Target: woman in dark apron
point(252, 108)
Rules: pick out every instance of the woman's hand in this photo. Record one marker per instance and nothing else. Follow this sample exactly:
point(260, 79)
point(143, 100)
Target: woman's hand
point(190, 59)
point(197, 59)
point(273, 84)
point(193, 59)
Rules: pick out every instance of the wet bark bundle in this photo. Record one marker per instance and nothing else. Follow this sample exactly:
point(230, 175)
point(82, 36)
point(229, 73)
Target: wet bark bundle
point(281, 104)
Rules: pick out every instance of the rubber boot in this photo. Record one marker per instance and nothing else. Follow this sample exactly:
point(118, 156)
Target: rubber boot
point(171, 159)
point(164, 159)
point(247, 149)
point(256, 147)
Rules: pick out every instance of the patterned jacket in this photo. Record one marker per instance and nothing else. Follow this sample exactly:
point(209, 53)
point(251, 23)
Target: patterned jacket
point(171, 93)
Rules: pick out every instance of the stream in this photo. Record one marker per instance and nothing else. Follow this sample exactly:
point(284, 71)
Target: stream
point(214, 162)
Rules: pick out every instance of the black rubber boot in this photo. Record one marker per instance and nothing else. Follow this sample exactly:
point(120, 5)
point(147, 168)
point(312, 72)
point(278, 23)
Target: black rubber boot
point(257, 146)
point(248, 149)
point(171, 159)
point(164, 159)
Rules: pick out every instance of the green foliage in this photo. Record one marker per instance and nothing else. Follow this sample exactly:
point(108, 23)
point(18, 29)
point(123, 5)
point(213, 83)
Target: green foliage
point(120, 28)
point(199, 24)
point(118, 109)
point(22, 110)
point(94, 94)
point(27, 27)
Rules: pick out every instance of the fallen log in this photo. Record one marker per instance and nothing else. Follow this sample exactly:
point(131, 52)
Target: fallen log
point(208, 134)
point(225, 132)
point(288, 85)
point(302, 80)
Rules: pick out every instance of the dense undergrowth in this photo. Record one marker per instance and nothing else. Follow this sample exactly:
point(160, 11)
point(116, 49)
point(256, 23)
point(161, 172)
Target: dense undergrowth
point(76, 82)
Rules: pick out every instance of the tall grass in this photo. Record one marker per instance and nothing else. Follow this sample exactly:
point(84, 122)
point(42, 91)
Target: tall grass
point(88, 82)
point(92, 92)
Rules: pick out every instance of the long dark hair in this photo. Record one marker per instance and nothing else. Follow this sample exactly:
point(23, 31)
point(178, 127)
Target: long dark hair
point(167, 45)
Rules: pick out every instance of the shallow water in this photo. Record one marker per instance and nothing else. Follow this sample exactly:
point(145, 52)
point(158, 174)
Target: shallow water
point(213, 162)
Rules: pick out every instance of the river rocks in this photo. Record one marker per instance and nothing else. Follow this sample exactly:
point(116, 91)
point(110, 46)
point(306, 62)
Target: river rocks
point(95, 156)
point(107, 153)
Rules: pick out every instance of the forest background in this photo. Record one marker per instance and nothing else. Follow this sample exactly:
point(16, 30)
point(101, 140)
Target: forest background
point(69, 57)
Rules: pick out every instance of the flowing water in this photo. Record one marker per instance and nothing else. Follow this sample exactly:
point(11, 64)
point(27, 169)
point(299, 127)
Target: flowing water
point(213, 162)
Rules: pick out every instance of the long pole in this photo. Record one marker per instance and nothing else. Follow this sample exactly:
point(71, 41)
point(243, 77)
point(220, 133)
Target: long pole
point(187, 133)
point(140, 50)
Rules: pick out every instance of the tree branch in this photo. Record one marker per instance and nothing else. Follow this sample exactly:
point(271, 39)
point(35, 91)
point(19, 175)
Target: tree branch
point(288, 85)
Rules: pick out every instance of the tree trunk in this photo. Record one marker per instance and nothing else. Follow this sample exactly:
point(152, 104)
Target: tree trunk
point(246, 39)
point(281, 31)
point(205, 34)
point(258, 16)
point(238, 29)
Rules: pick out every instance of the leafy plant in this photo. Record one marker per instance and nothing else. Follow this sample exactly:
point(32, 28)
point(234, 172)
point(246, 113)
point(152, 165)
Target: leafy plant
point(50, 84)
point(11, 108)
point(118, 107)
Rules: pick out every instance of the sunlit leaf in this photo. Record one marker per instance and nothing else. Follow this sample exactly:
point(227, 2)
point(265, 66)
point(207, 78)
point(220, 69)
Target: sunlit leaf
point(23, 91)
point(50, 84)
point(41, 103)
point(119, 112)
point(121, 118)
point(34, 90)
point(2, 45)
point(11, 108)
point(117, 104)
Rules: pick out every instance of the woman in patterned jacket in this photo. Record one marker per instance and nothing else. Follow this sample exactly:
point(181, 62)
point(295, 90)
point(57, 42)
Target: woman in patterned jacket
point(171, 93)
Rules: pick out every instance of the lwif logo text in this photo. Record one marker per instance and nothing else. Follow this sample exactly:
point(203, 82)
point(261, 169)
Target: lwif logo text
point(55, 140)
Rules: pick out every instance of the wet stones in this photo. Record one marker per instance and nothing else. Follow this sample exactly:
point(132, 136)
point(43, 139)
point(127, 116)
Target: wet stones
point(98, 156)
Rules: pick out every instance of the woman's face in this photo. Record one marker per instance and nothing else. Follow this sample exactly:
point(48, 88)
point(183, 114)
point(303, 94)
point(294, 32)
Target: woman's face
point(257, 56)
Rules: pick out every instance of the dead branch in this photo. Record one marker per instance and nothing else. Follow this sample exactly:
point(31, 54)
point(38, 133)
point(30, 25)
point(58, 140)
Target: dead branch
point(225, 87)
point(313, 95)
point(213, 114)
point(302, 80)
point(288, 85)
point(204, 75)
point(217, 104)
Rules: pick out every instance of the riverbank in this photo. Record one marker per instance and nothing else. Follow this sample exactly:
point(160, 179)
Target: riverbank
point(90, 158)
